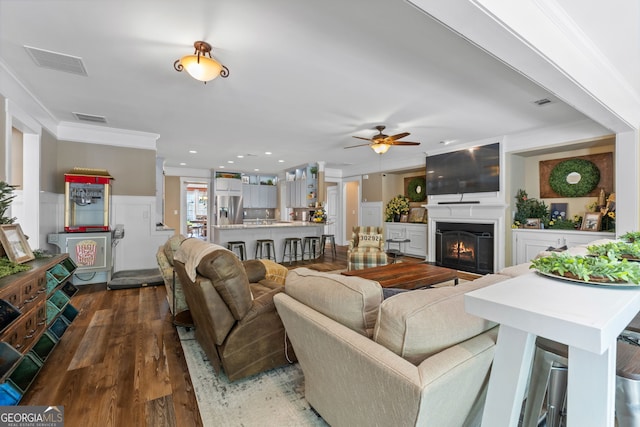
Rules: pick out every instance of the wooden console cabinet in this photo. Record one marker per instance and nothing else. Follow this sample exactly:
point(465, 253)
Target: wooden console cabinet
point(34, 313)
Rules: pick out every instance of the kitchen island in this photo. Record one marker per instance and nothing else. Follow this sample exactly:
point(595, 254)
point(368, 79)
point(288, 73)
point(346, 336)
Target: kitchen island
point(267, 229)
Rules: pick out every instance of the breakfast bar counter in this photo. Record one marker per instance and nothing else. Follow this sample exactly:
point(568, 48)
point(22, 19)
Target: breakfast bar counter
point(587, 318)
point(249, 232)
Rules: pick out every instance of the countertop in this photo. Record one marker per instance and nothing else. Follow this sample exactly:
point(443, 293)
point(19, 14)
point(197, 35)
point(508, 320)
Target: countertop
point(268, 224)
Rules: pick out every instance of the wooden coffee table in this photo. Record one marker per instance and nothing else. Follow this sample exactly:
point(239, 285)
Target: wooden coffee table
point(406, 275)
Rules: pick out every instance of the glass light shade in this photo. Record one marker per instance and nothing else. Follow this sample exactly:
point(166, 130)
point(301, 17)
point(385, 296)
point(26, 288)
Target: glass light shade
point(205, 70)
point(380, 148)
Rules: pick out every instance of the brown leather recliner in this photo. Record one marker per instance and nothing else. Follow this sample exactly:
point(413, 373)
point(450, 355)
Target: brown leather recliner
point(236, 322)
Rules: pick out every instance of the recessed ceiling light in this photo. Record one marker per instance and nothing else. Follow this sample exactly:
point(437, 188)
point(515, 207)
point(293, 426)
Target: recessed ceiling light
point(183, 164)
point(193, 152)
point(268, 153)
point(221, 167)
point(281, 161)
point(229, 161)
point(256, 170)
point(240, 156)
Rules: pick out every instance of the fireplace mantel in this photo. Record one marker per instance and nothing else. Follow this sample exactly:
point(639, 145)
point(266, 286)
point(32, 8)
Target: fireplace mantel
point(486, 213)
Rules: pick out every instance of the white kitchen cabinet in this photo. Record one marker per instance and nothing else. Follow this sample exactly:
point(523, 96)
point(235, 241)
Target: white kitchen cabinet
point(228, 186)
point(297, 194)
point(302, 187)
point(416, 233)
point(269, 196)
point(527, 244)
point(259, 196)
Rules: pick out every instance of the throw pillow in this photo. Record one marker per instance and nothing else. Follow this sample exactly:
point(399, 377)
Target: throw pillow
point(369, 240)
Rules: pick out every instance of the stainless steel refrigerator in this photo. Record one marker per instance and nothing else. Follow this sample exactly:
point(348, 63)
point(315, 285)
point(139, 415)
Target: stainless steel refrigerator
point(228, 210)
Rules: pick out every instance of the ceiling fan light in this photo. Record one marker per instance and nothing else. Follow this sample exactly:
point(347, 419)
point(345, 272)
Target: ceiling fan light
point(201, 68)
point(380, 148)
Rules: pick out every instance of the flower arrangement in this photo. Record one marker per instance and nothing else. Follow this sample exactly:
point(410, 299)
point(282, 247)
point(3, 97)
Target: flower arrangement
point(320, 216)
point(397, 206)
point(608, 212)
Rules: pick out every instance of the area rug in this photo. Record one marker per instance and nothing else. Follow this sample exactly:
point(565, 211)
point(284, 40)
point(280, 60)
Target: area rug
point(275, 397)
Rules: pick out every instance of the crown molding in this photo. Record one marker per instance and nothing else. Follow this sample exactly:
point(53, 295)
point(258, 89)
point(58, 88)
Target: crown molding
point(91, 134)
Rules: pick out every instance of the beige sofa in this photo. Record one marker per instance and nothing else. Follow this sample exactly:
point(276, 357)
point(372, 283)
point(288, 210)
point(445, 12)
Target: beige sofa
point(414, 359)
point(164, 256)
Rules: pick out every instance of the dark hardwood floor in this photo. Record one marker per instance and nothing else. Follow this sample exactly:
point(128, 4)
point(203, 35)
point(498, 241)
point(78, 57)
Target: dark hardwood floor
point(120, 363)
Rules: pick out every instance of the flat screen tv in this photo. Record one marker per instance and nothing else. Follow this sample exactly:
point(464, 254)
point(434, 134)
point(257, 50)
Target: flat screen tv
point(473, 170)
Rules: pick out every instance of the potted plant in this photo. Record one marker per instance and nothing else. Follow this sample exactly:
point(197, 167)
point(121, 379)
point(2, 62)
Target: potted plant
point(6, 197)
point(529, 208)
point(314, 171)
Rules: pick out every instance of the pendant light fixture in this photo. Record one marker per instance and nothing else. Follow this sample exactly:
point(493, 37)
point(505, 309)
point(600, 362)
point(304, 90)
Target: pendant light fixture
point(199, 65)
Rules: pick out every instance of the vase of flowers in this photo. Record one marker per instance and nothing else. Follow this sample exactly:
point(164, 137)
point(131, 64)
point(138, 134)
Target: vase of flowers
point(319, 216)
point(397, 206)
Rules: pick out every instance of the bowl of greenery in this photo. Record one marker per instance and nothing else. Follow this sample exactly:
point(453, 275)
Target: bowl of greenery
point(631, 236)
point(617, 248)
point(601, 269)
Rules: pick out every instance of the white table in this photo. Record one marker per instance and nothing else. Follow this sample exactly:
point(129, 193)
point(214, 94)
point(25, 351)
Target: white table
point(586, 318)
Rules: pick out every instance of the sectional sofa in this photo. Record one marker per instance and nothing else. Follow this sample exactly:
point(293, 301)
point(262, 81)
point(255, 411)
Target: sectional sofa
point(414, 359)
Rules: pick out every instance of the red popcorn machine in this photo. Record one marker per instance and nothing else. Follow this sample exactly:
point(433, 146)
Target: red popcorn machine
point(87, 200)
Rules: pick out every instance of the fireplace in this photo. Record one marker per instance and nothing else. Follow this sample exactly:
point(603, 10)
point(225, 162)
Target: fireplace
point(465, 246)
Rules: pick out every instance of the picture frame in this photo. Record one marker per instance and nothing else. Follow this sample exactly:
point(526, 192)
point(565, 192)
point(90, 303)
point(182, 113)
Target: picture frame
point(15, 243)
point(418, 215)
point(591, 221)
point(558, 211)
point(532, 223)
point(404, 218)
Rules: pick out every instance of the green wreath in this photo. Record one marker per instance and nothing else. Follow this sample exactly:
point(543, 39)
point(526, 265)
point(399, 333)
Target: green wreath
point(585, 174)
point(416, 190)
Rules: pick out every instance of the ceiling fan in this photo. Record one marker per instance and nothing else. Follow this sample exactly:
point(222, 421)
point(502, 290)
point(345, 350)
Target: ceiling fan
point(381, 143)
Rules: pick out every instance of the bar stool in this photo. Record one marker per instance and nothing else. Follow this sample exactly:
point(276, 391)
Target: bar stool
point(237, 244)
point(292, 243)
point(268, 246)
point(332, 240)
point(309, 245)
point(550, 364)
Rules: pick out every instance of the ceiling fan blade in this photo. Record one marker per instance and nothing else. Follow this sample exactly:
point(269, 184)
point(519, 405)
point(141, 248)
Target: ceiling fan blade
point(359, 145)
point(398, 136)
point(403, 143)
point(366, 139)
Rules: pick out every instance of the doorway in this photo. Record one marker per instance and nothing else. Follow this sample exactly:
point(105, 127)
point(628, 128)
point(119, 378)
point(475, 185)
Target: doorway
point(351, 203)
point(195, 205)
point(332, 209)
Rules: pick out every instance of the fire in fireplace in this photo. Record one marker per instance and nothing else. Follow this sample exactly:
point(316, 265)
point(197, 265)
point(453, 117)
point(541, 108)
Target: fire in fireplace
point(465, 246)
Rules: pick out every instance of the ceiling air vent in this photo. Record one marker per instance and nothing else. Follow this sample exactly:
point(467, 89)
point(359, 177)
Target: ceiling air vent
point(90, 118)
point(541, 102)
point(57, 61)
